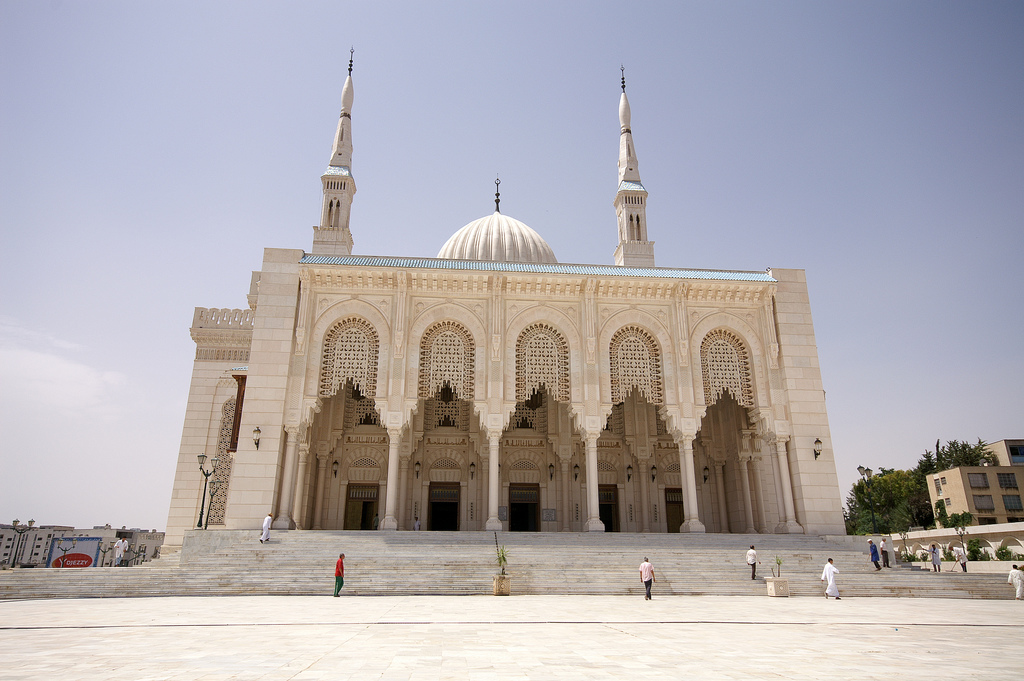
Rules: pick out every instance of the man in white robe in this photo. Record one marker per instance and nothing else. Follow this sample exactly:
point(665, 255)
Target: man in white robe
point(1017, 579)
point(265, 537)
point(829, 575)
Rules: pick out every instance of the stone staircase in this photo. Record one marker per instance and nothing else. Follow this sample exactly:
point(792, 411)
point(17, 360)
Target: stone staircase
point(218, 563)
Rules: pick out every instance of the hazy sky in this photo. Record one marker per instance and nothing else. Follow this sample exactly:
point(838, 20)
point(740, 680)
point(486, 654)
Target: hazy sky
point(150, 151)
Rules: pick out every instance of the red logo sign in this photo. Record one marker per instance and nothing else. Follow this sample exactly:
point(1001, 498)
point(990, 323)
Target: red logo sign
point(73, 560)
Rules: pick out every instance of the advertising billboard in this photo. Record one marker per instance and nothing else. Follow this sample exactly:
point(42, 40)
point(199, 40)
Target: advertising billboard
point(76, 552)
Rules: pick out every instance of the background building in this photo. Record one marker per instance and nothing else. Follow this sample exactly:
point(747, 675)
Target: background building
point(33, 547)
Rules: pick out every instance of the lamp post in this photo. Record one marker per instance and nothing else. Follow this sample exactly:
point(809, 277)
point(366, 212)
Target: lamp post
point(866, 474)
point(214, 488)
point(20, 529)
point(206, 479)
point(64, 551)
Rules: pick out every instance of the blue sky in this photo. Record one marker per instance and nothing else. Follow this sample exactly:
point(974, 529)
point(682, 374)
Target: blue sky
point(149, 152)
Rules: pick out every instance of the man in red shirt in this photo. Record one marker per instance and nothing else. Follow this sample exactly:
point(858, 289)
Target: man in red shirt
point(339, 574)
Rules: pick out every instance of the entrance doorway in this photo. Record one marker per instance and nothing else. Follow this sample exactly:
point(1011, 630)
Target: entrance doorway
point(523, 508)
point(443, 511)
point(674, 508)
point(608, 507)
point(361, 507)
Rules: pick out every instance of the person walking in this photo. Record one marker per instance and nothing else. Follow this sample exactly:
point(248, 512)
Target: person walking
point(936, 558)
point(416, 525)
point(752, 561)
point(874, 554)
point(961, 557)
point(339, 574)
point(265, 537)
point(120, 546)
point(829, 575)
point(647, 577)
point(883, 549)
point(1017, 579)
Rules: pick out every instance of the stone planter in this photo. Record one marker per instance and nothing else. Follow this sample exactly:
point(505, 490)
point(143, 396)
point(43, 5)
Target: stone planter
point(502, 585)
point(777, 586)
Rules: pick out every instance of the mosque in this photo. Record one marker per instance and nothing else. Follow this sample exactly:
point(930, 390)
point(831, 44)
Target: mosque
point(495, 388)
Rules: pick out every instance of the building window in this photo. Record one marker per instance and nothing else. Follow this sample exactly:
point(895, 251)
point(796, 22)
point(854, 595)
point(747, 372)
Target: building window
point(1007, 480)
point(938, 487)
point(986, 521)
point(1016, 453)
point(984, 502)
point(943, 479)
point(978, 480)
point(1011, 502)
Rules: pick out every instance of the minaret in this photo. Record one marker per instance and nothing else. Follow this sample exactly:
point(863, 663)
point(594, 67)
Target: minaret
point(332, 236)
point(634, 250)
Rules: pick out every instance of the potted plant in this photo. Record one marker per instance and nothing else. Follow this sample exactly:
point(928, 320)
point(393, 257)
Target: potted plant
point(502, 582)
point(777, 586)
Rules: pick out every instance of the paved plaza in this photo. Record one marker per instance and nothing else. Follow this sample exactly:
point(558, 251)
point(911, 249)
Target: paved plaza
point(520, 637)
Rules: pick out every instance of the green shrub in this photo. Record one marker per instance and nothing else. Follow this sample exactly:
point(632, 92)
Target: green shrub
point(1004, 553)
point(974, 551)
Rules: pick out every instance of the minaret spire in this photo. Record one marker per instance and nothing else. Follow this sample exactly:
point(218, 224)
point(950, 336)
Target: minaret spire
point(634, 250)
point(332, 236)
point(497, 195)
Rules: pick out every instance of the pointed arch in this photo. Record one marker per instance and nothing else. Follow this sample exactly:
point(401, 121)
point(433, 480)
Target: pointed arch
point(635, 363)
point(542, 360)
point(725, 366)
point(350, 352)
point(447, 358)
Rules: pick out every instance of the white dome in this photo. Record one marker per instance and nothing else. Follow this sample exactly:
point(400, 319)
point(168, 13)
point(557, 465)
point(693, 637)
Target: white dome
point(497, 238)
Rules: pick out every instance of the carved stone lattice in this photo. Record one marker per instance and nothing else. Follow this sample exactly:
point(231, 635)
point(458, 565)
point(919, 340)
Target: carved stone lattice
point(360, 410)
point(447, 359)
point(524, 465)
point(542, 359)
point(365, 462)
point(725, 366)
point(350, 352)
point(531, 414)
point(635, 363)
point(616, 422)
point(604, 466)
point(445, 464)
point(223, 473)
point(440, 413)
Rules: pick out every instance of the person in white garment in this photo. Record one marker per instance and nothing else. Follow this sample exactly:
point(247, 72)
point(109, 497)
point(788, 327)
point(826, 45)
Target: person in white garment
point(960, 556)
point(120, 546)
point(936, 555)
point(829, 575)
point(752, 561)
point(265, 537)
point(647, 577)
point(416, 525)
point(884, 550)
point(1017, 579)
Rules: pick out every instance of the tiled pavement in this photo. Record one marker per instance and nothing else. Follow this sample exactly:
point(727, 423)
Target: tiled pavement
point(519, 637)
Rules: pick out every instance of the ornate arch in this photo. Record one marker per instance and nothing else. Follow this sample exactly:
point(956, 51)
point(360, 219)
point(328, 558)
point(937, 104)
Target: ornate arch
point(542, 359)
point(350, 351)
point(725, 366)
point(635, 361)
point(447, 357)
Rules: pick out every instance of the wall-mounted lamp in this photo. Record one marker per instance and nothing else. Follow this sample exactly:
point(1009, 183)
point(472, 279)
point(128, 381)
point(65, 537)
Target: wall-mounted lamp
point(472, 470)
point(576, 472)
point(551, 471)
point(256, 437)
point(707, 473)
point(654, 473)
point(629, 473)
point(817, 448)
point(334, 467)
point(417, 469)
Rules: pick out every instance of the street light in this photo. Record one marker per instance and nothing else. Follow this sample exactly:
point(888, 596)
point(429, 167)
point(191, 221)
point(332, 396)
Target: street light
point(866, 474)
point(817, 448)
point(206, 479)
point(256, 437)
point(20, 529)
point(214, 488)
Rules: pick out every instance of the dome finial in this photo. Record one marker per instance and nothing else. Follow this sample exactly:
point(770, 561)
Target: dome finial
point(352, 52)
point(497, 195)
point(622, 68)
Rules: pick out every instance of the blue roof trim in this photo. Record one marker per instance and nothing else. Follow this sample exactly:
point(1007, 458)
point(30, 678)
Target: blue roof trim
point(534, 268)
point(338, 170)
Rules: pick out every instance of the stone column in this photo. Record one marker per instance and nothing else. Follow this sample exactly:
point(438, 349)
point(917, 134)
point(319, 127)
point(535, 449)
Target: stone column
point(780, 527)
point(342, 505)
point(285, 517)
point(792, 526)
point(390, 522)
point(493, 482)
point(594, 523)
point(747, 506)
point(321, 482)
point(723, 507)
point(691, 516)
point(762, 517)
point(403, 489)
point(298, 503)
point(645, 494)
point(565, 512)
